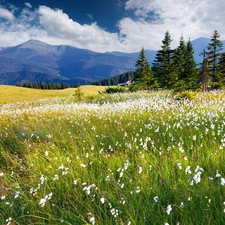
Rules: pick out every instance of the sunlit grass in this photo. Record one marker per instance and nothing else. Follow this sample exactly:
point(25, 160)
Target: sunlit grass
point(12, 94)
point(143, 158)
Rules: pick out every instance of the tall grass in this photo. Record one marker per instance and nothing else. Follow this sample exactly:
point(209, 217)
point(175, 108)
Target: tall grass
point(143, 158)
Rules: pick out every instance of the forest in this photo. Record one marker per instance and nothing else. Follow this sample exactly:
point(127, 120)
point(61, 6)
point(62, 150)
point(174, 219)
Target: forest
point(176, 69)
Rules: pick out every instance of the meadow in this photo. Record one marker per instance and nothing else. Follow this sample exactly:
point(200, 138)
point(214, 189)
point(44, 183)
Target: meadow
point(121, 159)
point(12, 94)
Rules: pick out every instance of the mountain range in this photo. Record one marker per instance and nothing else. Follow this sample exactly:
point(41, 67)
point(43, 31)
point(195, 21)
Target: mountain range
point(36, 61)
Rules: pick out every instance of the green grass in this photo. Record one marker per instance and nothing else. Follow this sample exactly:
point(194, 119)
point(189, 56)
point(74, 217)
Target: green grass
point(12, 94)
point(106, 159)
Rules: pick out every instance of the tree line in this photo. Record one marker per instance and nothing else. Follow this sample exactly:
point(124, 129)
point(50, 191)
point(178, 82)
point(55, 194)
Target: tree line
point(176, 68)
point(111, 81)
point(46, 86)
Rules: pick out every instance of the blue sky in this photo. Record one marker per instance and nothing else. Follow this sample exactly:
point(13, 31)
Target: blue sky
point(109, 25)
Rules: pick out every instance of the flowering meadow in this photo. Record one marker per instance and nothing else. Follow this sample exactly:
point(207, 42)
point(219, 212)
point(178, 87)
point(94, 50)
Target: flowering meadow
point(122, 159)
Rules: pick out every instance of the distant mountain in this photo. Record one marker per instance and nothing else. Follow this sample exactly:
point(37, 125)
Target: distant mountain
point(68, 63)
point(35, 61)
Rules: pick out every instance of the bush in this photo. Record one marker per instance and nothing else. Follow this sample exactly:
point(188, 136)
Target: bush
point(78, 94)
point(186, 95)
point(113, 90)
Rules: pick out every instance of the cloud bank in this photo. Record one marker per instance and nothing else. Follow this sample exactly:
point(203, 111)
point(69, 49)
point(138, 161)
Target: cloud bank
point(146, 27)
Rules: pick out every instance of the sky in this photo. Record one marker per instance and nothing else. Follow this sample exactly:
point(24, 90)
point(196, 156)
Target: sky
point(109, 25)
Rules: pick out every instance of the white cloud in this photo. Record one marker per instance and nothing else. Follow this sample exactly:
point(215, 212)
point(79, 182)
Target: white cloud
point(6, 14)
point(28, 4)
point(90, 16)
point(192, 18)
point(147, 27)
point(55, 27)
point(60, 27)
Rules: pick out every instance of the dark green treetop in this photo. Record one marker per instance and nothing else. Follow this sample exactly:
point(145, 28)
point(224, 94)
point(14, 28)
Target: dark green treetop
point(213, 55)
point(144, 78)
point(163, 61)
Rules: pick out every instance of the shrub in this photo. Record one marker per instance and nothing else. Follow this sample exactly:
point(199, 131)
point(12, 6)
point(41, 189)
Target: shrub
point(186, 95)
point(78, 95)
point(113, 90)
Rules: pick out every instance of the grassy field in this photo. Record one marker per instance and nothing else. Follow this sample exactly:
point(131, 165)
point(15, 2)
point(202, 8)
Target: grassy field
point(11, 94)
point(123, 159)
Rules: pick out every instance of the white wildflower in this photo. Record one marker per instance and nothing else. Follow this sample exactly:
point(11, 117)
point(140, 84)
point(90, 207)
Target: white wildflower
point(42, 179)
point(44, 200)
point(179, 166)
point(188, 170)
point(138, 190)
point(140, 170)
point(102, 200)
point(217, 174)
point(156, 198)
point(92, 220)
point(122, 201)
point(222, 181)
point(168, 209)
point(8, 221)
point(56, 177)
point(182, 205)
point(17, 194)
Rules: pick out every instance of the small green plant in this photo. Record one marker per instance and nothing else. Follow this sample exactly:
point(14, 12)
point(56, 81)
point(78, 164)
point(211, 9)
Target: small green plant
point(186, 95)
point(78, 95)
point(113, 90)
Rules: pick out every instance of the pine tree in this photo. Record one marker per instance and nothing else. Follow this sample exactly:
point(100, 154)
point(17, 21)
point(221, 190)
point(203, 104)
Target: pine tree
point(222, 68)
point(140, 65)
point(213, 54)
point(144, 77)
point(163, 62)
point(177, 75)
point(179, 59)
point(204, 73)
point(184, 66)
point(190, 73)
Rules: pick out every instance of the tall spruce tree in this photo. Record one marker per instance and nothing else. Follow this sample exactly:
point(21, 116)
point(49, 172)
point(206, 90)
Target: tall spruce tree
point(144, 77)
point(204, 73)
point(179, 59)
point(178, 66)
point(213, 55)
point(222, 69)
point(163, 62)
point(190, 72)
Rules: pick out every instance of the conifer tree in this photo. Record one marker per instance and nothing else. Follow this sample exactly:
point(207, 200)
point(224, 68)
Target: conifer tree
point(144, 77)
point(190, 73)
point(163, 62)
point(204, 73)
point(184, 66)
point(178, 66)
point(213, 54)
point(141, 64)
point(179, 59)
point(222, 68)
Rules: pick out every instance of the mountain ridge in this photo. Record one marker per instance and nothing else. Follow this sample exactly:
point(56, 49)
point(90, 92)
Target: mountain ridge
point(70, 64)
